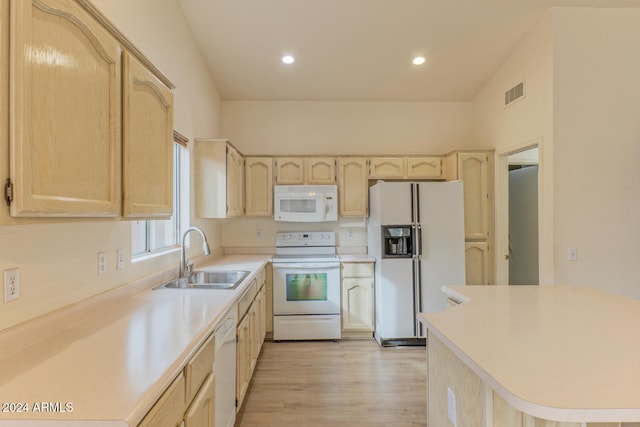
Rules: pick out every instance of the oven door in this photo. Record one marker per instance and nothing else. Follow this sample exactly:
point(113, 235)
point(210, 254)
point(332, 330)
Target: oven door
point(306, 288)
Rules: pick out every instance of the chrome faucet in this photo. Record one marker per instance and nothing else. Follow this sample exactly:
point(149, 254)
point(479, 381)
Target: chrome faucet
point(185, 270)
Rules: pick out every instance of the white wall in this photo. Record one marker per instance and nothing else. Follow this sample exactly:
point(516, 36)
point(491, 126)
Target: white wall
point(310, 127)
point(524, 122)
point(58, 262)
point(323, 127)
point(597, 147)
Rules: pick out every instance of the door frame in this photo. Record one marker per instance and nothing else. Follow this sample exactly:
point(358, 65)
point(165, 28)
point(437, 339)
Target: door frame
point(501, 263)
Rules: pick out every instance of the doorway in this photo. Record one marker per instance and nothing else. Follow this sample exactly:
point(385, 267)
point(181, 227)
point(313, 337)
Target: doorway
point(517, 224)
point(523, 218)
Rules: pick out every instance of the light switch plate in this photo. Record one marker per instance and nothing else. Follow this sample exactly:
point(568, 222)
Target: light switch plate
point(102, 263)
point(120, 259)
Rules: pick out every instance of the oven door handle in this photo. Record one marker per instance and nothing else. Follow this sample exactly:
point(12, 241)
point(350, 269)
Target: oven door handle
point(306, 265)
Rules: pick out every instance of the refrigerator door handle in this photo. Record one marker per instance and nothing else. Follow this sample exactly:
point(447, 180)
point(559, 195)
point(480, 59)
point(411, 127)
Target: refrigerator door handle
point(419, 240)
point(417, 298)
point(416, 199)
point(414, 266)
point(416, 286)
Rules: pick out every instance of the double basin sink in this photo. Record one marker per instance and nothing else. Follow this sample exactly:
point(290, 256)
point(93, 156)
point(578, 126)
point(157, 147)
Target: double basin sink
point(226, 279)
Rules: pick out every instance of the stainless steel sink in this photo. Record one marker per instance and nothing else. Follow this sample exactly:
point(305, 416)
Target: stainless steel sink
point(226, 279)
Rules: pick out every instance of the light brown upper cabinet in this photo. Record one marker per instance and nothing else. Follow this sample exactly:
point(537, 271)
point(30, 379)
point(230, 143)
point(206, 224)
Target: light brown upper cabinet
point(406, 168)
point(320, 170)
point(353, 189)
point(305, 170)
point(65, 90)
point(258, 186)
point(90, 126)
point(289, 170)
point(235, 182)
point(475, 170)
point(424, 168)
point(147, 143)
point(387, 168)
point(219, 173)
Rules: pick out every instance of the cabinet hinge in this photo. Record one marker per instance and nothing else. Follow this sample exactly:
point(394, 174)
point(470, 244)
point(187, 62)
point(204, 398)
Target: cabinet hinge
point(8, 192)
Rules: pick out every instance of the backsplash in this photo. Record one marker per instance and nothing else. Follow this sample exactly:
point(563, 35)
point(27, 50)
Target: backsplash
point(261, 232)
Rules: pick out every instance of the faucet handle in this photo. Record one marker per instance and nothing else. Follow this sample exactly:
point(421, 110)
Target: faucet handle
point(188, 269)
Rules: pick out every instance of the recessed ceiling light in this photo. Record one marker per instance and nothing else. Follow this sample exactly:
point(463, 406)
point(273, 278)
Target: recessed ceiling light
point(288, 59)
point(419, 60)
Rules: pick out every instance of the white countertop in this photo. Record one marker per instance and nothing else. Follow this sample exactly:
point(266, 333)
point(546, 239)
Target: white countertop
point(114, 364)
point(555, 352)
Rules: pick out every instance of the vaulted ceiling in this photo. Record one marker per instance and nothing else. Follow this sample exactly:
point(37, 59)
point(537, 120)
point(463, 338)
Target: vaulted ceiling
point(362, 50)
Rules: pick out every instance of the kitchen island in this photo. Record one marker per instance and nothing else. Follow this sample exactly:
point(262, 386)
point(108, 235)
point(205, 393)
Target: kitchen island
point(534, 356)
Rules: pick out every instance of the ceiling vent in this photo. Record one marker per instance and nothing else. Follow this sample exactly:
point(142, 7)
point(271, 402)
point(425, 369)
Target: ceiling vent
point(514, 94)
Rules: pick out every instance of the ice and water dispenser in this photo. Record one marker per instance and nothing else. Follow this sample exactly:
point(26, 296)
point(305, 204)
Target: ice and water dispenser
point(397, 241)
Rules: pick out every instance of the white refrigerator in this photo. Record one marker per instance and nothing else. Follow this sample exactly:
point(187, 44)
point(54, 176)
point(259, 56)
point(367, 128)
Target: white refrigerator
point(416, 234)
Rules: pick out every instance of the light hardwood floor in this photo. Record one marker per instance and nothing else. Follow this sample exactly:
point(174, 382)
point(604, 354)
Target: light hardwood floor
point(347, 383)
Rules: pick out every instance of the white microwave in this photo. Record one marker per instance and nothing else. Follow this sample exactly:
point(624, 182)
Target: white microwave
point(305, 203)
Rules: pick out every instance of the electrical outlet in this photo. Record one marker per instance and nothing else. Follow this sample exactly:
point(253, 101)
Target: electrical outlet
point(120, 259)
point(572, 254)
point(451, 406)
point(351, 233)
point(11, 284)
point(102, 263)
point(258, 234)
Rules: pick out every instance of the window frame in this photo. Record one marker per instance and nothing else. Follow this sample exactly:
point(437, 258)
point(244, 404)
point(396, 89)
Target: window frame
point(179, 218)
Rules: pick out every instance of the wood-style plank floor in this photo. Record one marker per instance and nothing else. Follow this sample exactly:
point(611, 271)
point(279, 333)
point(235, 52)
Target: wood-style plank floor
point(326, 383)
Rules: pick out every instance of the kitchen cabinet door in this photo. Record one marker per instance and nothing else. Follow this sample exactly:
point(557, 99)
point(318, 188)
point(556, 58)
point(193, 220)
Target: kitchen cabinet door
point(65, 109)
point(357, 297)
point(477, 263)
point(320, 170)
point(473, 170)
point(201, 413)
point(258, 186)
point(168, 411)
point(148, 143)
point(235, 182)
point(357, 304)
point(243, 359)
point(268, 299)
point(387, 168)
point(353, 189)
point(424, 168)
point(289, 170)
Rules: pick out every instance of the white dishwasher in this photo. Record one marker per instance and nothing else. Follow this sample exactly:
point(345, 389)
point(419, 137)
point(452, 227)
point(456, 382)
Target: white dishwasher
point(224, 367)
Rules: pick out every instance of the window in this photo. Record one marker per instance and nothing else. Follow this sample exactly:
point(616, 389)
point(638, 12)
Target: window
point(156, 236)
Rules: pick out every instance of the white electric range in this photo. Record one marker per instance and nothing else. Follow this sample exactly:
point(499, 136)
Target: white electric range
point(306, 287)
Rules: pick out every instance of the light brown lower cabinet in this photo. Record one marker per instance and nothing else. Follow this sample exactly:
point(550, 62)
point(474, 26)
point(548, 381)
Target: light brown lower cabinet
point(169, 409)
point(357, 299)
point(190, 399)
point(250, 334)
point(201, 413)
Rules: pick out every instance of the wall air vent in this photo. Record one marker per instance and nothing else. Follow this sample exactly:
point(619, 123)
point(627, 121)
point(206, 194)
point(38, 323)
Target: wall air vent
point(514, 94)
